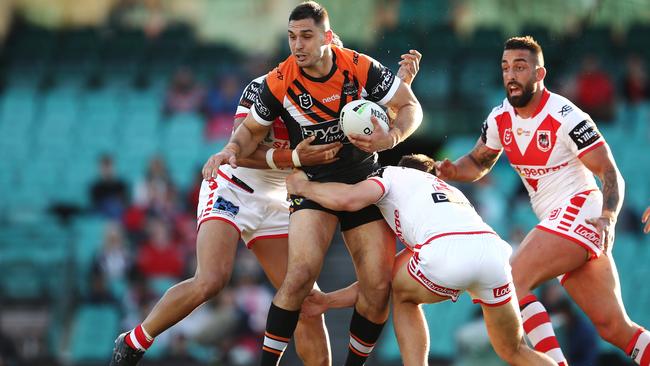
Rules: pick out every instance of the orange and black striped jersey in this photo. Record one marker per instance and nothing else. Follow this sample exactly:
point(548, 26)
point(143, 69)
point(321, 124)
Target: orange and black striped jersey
point(311, 106)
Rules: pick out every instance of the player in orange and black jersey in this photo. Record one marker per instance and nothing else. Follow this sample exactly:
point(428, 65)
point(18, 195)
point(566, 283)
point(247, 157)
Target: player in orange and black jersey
point(307, 91)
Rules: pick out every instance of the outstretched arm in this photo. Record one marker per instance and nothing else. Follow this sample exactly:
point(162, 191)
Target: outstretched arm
point(335, 196)
point(470, 167)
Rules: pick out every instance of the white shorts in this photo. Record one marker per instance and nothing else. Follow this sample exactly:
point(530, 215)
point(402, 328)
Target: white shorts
point(256, 210)
point(478, 263)
point(569, 221)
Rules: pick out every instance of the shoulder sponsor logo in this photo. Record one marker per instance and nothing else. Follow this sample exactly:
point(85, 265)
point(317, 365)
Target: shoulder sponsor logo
point(261, 109)
point(544, 140)
point(502, 291)
point(588, 234)
point(377, 173)
point(507, 136)
point(350, 89)
point(325, 132)
point(584, 134)
point(278, 74)
point(331, 98)
point(225, 207)
point(305, 101)
point(565, 110)
point(355, 57)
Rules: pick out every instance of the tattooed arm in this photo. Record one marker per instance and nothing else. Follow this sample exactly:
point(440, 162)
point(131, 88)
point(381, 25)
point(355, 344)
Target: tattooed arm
point(601, 162)
point(471, 167)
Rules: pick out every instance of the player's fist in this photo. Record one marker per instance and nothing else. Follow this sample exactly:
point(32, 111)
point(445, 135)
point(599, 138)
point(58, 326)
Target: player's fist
point(409, 66)
point(295, 181)
point(225, 156)
point(445, 169)
point(310, 155)
point(605, 227)
point(315, 304)
point(646, 219)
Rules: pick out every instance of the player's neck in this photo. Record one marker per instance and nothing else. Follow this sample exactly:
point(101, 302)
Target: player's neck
point(531, 107)
point(321, 68)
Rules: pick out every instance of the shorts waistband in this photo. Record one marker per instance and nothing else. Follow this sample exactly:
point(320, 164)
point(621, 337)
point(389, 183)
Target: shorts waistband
point(454, 233)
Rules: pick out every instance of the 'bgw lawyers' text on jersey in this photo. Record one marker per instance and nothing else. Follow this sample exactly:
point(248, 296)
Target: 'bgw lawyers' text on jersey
point(311, 106)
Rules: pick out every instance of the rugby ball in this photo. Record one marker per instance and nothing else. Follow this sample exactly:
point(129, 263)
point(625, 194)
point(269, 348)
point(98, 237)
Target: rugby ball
point(355, 117)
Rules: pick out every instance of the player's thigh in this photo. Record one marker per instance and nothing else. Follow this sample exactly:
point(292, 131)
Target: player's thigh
point(310, 234)
point(407, 289)
point(273, 255)
point(543, 256)
point(216, 245)
point(372, 248)
point(503, 323)
point(595, 287)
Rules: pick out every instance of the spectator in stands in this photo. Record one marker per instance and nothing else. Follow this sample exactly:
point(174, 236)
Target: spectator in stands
point(595, 91)
point(159, 256)
point(114, 258)
point(184, 94)
point(221, 100)
point(156, 192)
point(108, 193)
point(636, 85)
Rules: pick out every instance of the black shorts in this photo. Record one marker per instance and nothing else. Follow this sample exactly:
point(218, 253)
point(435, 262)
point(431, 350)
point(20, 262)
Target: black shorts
point(348, 220)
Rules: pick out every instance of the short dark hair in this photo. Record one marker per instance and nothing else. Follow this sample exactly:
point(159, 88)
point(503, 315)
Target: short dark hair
point(525, 43)
point(311, 10)
point(419, 162)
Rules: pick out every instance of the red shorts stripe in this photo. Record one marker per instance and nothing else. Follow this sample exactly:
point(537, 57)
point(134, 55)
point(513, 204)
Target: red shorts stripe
point(568, 217)
point(220, 219)
point(458, 233)
point(249, 245)
point(572, 210)
point(547, 344)
point(479, 301)
point(535, 321)
point(564, 223)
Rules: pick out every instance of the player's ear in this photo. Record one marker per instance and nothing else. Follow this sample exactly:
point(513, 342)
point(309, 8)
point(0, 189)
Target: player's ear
point(540, 73)
point(329, 36)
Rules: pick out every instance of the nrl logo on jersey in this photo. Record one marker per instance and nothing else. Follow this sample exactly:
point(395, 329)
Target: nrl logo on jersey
point(507, 136)
point(305, 101)
point(544, 140)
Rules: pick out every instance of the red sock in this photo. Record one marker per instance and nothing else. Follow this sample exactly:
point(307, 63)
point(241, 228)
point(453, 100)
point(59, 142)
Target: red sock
point(138, 339)
point(539, 330)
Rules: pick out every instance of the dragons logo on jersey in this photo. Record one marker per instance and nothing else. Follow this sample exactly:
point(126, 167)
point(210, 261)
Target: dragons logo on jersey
point(305, 101)
point(544, 140)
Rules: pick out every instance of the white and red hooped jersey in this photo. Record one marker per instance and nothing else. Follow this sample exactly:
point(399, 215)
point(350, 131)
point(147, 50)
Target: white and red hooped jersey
point(545, 148)
point(420, 207)
point(277, 138)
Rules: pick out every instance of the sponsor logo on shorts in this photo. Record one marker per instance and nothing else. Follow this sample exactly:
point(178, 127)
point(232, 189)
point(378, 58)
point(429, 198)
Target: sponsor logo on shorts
point(501, 291)
point(225, 207)
point(588, 234)
point(437, 288)
point(554, 214)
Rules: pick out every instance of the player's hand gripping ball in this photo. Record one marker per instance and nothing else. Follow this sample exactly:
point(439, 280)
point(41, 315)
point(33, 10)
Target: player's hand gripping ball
point(355, 117)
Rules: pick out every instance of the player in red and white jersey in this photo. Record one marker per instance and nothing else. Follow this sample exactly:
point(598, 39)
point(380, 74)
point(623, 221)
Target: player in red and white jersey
point(557, 149)
point(449, 250)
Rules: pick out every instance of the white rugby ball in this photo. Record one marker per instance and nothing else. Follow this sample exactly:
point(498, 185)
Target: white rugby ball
point(355, 117)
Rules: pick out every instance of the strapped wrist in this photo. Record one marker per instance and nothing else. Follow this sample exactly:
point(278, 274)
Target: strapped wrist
point(269, 159)
point(295, 158)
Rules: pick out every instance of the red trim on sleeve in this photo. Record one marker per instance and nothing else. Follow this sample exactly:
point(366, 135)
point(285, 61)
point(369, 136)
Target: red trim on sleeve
point(383, 189)
point(241, 115)
point(598, 144)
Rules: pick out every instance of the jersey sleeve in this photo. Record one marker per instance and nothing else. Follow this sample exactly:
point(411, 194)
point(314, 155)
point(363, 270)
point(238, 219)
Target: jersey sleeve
point(266, 107)
point(490, 133)
point(381, 82)
point(381, 176)
point(248, 97)
point(579, 132)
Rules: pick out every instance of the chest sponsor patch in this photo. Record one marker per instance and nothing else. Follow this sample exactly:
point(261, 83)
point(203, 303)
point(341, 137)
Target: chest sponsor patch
point(325, 132)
